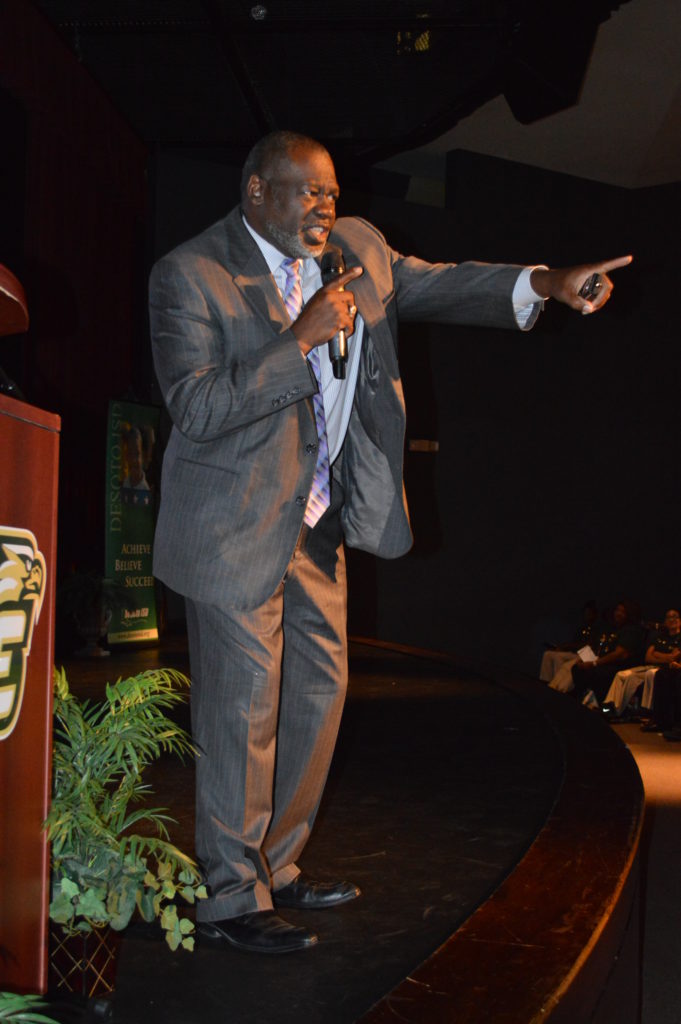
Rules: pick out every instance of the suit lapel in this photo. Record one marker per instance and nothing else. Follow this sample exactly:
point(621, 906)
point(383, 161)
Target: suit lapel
point(367, 299)
point(251, 275)
point(379, 342)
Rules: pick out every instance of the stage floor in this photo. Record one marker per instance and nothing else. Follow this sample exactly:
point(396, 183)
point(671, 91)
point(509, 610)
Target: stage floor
point(440, 784)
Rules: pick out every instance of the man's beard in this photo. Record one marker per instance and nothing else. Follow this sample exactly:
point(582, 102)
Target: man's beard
point(291, 244)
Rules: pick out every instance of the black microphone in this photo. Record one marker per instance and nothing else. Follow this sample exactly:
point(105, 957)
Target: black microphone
point(332, 266)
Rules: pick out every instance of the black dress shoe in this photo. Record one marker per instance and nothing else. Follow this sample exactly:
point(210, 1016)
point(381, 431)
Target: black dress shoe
point(260, 932)
point(304, 894)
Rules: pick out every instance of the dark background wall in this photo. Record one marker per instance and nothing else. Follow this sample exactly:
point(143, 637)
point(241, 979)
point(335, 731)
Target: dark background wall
point(73, 230)
point(555, 479)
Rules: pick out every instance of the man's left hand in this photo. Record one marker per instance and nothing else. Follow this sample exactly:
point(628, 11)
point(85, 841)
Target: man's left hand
point(564, 283)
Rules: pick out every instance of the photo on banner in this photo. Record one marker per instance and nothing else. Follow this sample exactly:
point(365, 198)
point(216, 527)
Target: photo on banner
point(131, 498)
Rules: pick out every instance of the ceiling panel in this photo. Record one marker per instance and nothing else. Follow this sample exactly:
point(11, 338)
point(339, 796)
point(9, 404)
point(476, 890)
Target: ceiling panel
point(376, 77)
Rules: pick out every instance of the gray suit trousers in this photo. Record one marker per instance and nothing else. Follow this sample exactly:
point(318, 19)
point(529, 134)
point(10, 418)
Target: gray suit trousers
point(268, 688)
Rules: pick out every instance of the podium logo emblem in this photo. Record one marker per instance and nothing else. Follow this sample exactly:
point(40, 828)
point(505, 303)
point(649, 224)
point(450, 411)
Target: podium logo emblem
point(22, 588)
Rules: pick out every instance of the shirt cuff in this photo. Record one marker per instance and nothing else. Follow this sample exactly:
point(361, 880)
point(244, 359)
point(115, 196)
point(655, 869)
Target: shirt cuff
point(524, 296)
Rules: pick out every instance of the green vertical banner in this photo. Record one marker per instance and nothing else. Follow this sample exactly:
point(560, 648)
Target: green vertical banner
point(131, 495)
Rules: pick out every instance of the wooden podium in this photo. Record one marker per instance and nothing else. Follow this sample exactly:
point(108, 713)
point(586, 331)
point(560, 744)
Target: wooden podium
point(29, 441)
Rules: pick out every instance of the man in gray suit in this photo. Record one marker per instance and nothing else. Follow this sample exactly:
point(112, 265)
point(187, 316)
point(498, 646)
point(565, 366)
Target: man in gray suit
point(247, 533)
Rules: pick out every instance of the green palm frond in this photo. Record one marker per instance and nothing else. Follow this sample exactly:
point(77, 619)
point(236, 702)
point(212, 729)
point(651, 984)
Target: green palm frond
point(23, 1008)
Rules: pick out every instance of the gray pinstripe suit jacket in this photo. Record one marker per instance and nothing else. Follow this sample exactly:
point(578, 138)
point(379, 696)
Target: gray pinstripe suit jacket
point(240, 460)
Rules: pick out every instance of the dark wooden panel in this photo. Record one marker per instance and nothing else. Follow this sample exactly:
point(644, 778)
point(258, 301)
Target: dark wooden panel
point(29, 440)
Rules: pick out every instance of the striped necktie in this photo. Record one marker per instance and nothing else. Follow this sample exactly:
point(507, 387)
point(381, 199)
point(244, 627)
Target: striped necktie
point(319, 498)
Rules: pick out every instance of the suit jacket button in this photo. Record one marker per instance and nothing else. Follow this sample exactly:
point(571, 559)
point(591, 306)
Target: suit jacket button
point(301, 500)
point(310, 448)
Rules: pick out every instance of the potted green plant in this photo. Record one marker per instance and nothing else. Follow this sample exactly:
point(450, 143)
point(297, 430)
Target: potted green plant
point(104, 870)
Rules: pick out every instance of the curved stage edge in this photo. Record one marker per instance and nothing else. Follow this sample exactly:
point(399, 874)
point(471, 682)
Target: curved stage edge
point(559, 939)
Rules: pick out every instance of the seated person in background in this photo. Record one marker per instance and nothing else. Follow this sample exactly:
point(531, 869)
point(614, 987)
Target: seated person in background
point(665, 716)
point(604, 641)
point(625, 642)
point(664, 647)
point(563, 656)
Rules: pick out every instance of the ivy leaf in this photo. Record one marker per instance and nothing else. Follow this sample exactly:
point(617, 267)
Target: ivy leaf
point(187, 893)
point(168, 889)
point(61, 909)
point(169, 917)
point(146, 905)
point(150, 880)
point(91, 905)
point(69, 888)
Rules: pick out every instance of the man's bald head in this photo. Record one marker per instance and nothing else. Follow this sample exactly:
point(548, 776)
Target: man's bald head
point(273, 150)
point(289, 193)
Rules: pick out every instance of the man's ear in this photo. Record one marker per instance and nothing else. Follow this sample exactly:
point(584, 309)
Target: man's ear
point(255, 189)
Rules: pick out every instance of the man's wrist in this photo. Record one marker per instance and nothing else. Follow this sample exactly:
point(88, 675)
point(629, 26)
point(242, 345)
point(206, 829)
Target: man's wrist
point(538, 282)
